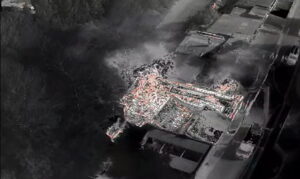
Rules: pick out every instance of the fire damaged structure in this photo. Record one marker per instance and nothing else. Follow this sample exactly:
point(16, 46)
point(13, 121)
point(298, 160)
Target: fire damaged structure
point(178, 108)
point(199, 114)
point(212, 130)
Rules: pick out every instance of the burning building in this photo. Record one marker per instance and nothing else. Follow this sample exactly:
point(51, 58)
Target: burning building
point(180, 108)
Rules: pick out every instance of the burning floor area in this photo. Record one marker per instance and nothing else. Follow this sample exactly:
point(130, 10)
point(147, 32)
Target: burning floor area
point(181, 108)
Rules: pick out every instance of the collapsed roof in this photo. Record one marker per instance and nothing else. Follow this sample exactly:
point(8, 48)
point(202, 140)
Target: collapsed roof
point(180, 108)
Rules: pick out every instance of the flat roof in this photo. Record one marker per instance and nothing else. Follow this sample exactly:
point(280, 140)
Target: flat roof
point(230, 25)
point(258, 11)
point(251, 3)
point(175, 140)
point(238, 11)
point(275, 21)
point(198, 43)
point(183, 164)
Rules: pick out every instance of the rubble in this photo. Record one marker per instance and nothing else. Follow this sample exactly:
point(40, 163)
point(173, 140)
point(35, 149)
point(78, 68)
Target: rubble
point(176, 107)
point(116, 129)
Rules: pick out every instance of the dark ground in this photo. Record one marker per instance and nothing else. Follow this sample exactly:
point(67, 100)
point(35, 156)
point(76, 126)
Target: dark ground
point(58, 95)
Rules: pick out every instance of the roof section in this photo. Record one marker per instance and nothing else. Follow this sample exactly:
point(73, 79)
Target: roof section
point(177, 141)
point(259, 11)
point(235, 25)
point(251, 3)
point(199, 43)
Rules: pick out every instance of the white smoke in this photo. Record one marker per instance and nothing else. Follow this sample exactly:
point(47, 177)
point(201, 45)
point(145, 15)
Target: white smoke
point(126, 60)
point(135, 57)
point(105, 166)
point(182, 10)
point(102, 177)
